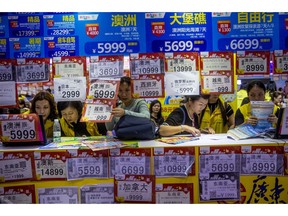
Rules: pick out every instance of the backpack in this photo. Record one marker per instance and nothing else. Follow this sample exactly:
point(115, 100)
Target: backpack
point(135, 128)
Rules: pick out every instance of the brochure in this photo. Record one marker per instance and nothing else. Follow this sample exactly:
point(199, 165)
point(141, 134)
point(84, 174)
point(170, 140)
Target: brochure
point(245, 131)
point(261, 110)
point(178, 139)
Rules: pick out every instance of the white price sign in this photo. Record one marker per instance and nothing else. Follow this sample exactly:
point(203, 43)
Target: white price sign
point(181, 65)
point(220, 189)
point(148, 88)
point(135, 191)
point(6, 73)
point(8, 93)
point(21, 198)
point(216, 64)
point(100, 194)
point(59, 195)
point(146, 66)
point(90, 167)
point(221, 163)
point(281, 63)
point(16, 169)
point(264, 164)
point(19, 129)
point(106, 69)
point(69, 70)
point(73, 89)
point(173, 165)
point(253, 64)
point(173, 195)
point(220, 84)
point(50, 169)
point(97, 112)
point(130, 165)
point(32, 72)
point(182, 83)
point(103, 90)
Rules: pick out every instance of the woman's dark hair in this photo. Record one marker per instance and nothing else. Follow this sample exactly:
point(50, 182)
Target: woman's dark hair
point(275, 94)
point(159, 114)
point(255, 83)
point(43, 95)
point(125, 79)
point(61, 105)
point(195, 97)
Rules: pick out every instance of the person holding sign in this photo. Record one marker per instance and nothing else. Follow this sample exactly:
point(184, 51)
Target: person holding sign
point(216, 118)
point(184, 120)
point(129, 106)
point(44, 104)
point(70, 114)
point(256, 92)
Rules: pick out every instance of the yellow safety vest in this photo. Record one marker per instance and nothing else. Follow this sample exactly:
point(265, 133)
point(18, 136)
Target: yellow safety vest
point(49, 128)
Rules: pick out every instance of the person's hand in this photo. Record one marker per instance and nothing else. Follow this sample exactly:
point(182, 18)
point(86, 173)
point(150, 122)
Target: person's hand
point(272, 118)
point(109, 134)
point(118, 112)
point(208, 130)
point(194, 131)
point(252, 120)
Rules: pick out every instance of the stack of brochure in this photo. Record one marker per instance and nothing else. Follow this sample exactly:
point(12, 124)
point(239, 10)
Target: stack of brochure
point(244, 131)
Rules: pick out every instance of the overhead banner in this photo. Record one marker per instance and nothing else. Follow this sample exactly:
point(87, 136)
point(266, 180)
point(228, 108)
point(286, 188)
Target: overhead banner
point(110, 33)
point(178, 32)
point(245, 31)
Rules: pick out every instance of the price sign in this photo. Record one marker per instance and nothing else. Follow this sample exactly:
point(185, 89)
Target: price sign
point(90, 167)
point(134, 188)
point(6, 71)
point(98, 194)
point(221, 163)
point(173, 165)
point(106, 69)
point(253, 62)
point(221, 186)
point(216, 64)
point(50, 165)
point(148, 86)
point(174, 193)
point(8, 94)
point(16, 166)
point(217, 82)
point(32, 73)
point(100, 112)
point(69, 66)
point(280, 61)
point(103, 89)
point(15, 130)
point(180, 65)
point(70, 89)
point(129, 165)
point(59, 195)
point(264, 164)
point(147, 66)
point(182, 83)
point(23, 194)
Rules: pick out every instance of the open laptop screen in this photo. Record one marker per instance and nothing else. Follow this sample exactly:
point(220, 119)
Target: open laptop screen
point(22, 129)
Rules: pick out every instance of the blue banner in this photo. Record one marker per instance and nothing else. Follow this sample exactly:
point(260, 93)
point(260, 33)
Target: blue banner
point(110, 33)
point(178, 32)
point(30, 25)
point(4, 26)
point(283, 31)
point(61, 46)
point(28, 47)
point(59, 24)
point(245, 31)
point(4, 48)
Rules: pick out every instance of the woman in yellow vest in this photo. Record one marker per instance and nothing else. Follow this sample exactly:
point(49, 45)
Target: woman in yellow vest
point(70, 114)
point(216, 118)
point(256, 92)
point(43, 103)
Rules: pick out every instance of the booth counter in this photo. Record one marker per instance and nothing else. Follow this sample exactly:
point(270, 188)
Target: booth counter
point(212, 169)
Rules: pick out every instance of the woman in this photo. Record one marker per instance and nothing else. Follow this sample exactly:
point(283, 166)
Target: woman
point(256, 92)
point(70, 114)
point(185, 118)
point(129, 105)
point(43, 104)
point(156, 112)
point(277, 98)
point(216, 118)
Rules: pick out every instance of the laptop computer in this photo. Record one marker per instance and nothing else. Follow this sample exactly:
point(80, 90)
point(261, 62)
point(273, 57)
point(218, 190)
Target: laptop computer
point(41, 134)
point(281, 131)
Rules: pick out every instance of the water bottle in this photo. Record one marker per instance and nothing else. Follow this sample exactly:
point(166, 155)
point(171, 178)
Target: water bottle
point(56, 131)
